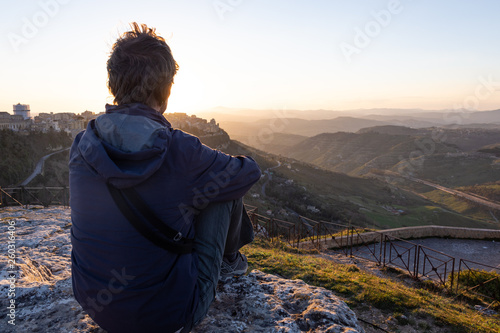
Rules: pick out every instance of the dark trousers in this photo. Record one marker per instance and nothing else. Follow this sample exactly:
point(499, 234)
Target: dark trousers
point(221, 228)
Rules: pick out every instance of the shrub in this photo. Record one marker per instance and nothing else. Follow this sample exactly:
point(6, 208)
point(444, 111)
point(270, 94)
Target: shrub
point(481, 281)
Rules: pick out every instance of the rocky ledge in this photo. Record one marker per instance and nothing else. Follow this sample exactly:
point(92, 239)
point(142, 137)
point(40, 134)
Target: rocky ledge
point(44, 301)
point(260, 302)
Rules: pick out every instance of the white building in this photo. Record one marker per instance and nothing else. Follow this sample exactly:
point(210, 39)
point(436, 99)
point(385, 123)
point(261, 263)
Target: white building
point(22, 110)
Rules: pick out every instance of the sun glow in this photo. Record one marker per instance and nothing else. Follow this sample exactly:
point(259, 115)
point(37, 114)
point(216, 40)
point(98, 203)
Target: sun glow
point(188, 92)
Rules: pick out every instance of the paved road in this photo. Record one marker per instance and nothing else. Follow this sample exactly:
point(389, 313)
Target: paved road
point(475, 198)
point(469, 196)
point(39, 167)
point(483, 251)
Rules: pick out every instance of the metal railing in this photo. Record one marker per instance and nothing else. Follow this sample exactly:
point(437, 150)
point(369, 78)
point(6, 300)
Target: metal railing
point(23, 196)
point(418, 261)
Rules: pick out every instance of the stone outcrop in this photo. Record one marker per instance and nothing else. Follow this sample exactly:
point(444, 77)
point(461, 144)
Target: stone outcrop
point(266, 303)
point(44, 300)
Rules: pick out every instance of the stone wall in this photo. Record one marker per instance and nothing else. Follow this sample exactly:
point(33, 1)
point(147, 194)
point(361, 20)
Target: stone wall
point(409, 233)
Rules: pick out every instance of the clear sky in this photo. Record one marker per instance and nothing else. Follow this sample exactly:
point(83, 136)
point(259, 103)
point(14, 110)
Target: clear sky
point(260, 54)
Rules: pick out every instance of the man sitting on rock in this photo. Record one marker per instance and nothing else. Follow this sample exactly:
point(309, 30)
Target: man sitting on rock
point(128, 170)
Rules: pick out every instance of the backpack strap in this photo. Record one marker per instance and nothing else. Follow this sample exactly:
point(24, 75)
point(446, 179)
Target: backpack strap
point(173, 241)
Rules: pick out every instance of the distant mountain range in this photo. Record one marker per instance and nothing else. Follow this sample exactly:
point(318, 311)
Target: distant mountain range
point(298, 126)
point(255, 127)
point(456, 116)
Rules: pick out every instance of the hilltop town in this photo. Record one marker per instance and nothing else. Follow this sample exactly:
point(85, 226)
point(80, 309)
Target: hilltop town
point(73, 123)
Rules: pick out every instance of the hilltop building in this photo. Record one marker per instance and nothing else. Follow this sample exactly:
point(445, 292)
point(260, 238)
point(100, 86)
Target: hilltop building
point(88, 115)
point(63, 121)
point(22, 110)
point(13, 122)
point(192, 124)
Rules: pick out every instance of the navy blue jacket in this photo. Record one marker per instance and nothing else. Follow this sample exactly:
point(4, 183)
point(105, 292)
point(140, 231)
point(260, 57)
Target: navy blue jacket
point(120, 278)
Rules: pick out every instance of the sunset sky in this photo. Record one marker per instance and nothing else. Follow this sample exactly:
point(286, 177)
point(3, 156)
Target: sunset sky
point(258, 54)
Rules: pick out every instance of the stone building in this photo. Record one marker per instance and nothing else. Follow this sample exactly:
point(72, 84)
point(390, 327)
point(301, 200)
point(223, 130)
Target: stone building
point(14, 122)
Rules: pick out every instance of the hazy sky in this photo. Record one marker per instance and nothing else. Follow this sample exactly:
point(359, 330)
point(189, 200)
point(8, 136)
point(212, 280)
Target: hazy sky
point(260, 54)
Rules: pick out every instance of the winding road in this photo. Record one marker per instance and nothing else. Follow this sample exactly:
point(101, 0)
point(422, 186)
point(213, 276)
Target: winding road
point(39, 167)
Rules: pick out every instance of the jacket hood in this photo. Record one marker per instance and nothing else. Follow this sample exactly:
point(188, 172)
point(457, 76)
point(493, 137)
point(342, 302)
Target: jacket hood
point(126, 145)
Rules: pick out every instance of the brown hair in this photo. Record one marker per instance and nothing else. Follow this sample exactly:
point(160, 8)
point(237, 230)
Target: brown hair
point(141, 67)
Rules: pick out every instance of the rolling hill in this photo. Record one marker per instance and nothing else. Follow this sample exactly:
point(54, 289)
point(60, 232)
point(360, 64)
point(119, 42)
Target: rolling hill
point(293, 187)
point(251, 131)
point(356, 154)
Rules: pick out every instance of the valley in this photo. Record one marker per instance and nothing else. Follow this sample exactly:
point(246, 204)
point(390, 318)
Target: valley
point(380, 177)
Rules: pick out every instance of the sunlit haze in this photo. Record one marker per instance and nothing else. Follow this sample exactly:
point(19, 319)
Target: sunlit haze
point(257, 54)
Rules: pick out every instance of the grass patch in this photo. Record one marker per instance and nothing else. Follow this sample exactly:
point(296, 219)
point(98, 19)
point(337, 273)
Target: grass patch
point(360, 288)
point(479, 281)
point(343, 233)
point(457, 213)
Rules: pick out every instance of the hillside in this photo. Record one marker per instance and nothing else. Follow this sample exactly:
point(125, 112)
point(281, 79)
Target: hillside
point(372, 152)
point(459, 169)
point(451, 157)
point(440, 118)
point(251, 131)
point(289, 187)
point(275, 143)
point(468, 139)
point(357, 154)
point(293, 186)
point(20, 152)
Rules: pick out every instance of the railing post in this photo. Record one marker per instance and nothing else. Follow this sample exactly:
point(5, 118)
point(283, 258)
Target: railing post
point(416, 261)
point(452, 274)
point(274, 229)
point(352, 239)
point(22, 195)
point(64, 197)
point(295, 232)
point(380, 250)
point(385, 248)
point(46, 200)
point(252, 219)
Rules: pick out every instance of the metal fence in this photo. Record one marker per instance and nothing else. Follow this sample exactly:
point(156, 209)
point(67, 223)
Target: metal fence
point(23, 196)
point(418, 261)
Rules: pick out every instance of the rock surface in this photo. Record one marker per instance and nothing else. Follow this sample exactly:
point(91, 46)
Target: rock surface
point(262, 302)
point(44, 301)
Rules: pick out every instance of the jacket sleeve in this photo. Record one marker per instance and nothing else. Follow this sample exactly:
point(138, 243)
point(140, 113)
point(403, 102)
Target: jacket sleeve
point(216, 176)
